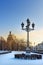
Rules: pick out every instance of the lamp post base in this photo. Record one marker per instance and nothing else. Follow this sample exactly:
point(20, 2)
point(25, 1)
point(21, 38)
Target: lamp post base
point(27, 50)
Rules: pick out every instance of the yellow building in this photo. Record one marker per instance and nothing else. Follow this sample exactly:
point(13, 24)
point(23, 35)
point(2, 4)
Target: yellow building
point(10, 40)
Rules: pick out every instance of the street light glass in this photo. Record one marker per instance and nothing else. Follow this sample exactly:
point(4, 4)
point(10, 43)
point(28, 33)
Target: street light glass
point(22, 24)
point(33, 25)
point(28, 22)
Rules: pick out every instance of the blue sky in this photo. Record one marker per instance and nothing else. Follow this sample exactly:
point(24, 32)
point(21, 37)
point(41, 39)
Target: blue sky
point(13, 12)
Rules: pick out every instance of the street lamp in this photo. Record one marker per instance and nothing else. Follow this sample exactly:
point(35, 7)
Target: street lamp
point(28, 29)
point(22, 25)
point(33, 25)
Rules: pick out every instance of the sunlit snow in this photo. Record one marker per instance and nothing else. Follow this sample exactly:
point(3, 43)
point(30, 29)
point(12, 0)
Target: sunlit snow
point(9, 59)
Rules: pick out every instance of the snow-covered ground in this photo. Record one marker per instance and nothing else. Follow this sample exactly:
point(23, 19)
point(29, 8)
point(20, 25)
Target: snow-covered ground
point(9, 59)
point(4, 51)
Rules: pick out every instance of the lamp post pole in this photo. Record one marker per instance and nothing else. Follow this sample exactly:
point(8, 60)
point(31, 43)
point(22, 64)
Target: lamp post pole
point(27, 29)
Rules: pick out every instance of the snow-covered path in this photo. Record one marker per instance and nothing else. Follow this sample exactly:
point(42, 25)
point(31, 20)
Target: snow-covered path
point(8, 59)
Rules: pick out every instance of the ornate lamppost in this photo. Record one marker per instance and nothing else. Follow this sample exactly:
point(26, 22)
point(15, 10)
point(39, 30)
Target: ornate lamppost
point(28, 29)
point(28, 55)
